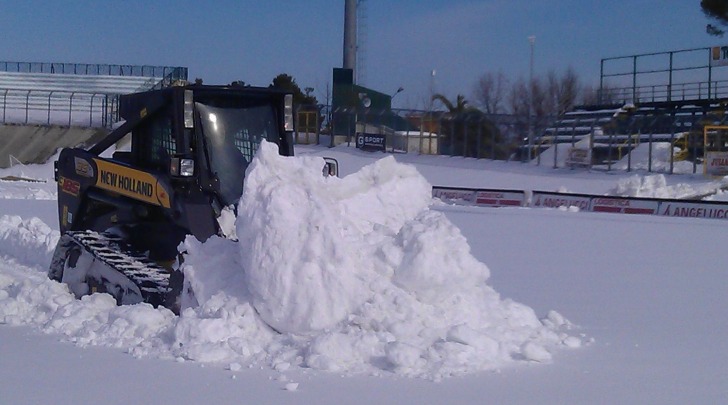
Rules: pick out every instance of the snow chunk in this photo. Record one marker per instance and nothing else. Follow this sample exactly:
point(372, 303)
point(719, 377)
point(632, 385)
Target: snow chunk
point(298, 268)
point(30, 241)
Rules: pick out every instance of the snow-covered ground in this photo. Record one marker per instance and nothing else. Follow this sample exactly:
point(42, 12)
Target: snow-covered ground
point(385, 302)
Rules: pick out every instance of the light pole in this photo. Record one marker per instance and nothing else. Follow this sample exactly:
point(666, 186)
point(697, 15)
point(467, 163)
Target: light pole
point(399, 90)
point(532, 41)
point(391, 99)
point(432, 87)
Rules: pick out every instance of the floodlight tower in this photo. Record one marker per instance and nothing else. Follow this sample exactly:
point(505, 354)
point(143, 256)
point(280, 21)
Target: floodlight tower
point(350, 36)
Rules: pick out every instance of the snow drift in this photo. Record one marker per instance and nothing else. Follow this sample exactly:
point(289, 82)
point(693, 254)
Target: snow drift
point(350, 275)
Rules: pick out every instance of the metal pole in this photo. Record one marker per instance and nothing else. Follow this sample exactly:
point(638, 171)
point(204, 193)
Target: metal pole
point(532, 41)
point(5, 100)
point(600, 94)
point(27, 105)
point(710, 73)
point(669, 85)
point(91, 111)
point(70, 108)
point(48, 121)
point(634, 79)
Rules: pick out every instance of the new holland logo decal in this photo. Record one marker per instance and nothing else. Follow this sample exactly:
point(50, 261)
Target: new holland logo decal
point(131, 183)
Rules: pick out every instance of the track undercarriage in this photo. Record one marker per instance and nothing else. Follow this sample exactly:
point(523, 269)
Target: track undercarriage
point(92, 262)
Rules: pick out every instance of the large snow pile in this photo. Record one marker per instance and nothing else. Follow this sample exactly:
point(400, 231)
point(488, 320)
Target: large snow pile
point(363, 274)
point(348, 275)
point(659, 154)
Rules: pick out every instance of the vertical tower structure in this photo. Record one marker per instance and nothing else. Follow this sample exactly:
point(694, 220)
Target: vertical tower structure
point(350, 36)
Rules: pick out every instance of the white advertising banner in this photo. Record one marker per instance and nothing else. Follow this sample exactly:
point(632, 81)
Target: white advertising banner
point(555, 200)
point(624, 205)
point(716, 163)
point(693, 210)
point(578, 157)
point(454, 195)
point(499, 198)
point(584, 202)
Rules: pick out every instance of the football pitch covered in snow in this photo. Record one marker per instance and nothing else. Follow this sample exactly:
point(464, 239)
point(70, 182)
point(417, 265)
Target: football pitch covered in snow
point(362, 289)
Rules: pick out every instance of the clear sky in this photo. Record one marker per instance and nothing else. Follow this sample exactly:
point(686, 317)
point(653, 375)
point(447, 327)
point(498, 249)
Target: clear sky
point(225, 40)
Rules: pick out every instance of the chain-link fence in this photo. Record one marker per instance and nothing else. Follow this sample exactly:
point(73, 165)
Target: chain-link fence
point(466, 133)
point(615, 140)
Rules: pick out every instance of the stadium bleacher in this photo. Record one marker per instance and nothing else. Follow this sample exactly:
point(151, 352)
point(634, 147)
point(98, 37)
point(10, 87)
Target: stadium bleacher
point(76, 83)
point(73, 94)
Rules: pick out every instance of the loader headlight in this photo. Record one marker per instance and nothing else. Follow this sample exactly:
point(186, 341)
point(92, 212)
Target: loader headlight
point(288, 112)
point(188, 109)
point(182, 167)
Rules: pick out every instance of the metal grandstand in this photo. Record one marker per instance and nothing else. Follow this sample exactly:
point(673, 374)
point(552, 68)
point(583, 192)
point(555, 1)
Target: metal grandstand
point(74, 94)
point(656, 97)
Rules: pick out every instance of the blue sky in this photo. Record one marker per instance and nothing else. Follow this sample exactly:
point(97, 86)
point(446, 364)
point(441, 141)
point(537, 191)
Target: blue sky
point(224, 40)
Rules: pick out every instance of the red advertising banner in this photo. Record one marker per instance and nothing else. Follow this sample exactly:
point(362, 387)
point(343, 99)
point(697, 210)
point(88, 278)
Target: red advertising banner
point(499, 198)
point(624, 205)
point(585, 202)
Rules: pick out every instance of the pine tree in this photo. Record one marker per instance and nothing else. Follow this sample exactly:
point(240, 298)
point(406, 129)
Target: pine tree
point(468, 132)
point(716, 10)
point(288, 83)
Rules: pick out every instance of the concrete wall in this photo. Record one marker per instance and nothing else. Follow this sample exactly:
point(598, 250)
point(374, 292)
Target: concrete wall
point(36, 144)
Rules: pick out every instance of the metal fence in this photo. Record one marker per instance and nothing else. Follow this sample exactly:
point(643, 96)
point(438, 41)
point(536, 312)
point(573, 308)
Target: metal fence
point(653, 142)
point(91, 69)
point(657, 143)
point(74, 94)
point(665, 92)
point(469, 134)
point(58, 108)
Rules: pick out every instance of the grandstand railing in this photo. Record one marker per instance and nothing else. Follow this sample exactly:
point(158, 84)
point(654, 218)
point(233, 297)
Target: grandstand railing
point(76, 94)
point(693, 91)
point(87, 69)
point(57, 107)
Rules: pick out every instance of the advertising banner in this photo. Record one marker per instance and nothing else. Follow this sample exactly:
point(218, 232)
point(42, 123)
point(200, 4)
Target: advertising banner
point(371, 142)
point(555, 200)
point(693, 210)
point(585, 202)
point(624, 205)
point(578, 157)
point(716, 163)
point(454, 195)
point(494, 198)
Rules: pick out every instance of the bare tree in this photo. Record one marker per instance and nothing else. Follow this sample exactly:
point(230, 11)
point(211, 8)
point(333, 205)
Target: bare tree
point(589, 95)
point(562, 91)
point(541, 107)
point(490, 92)
point(553, 87)
point(518, 102)
point(568, 91)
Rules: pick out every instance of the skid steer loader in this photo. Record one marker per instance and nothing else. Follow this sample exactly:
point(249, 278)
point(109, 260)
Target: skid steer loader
point(122, 218)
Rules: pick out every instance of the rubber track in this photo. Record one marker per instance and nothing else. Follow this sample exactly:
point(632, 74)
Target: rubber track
point(152, 279)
